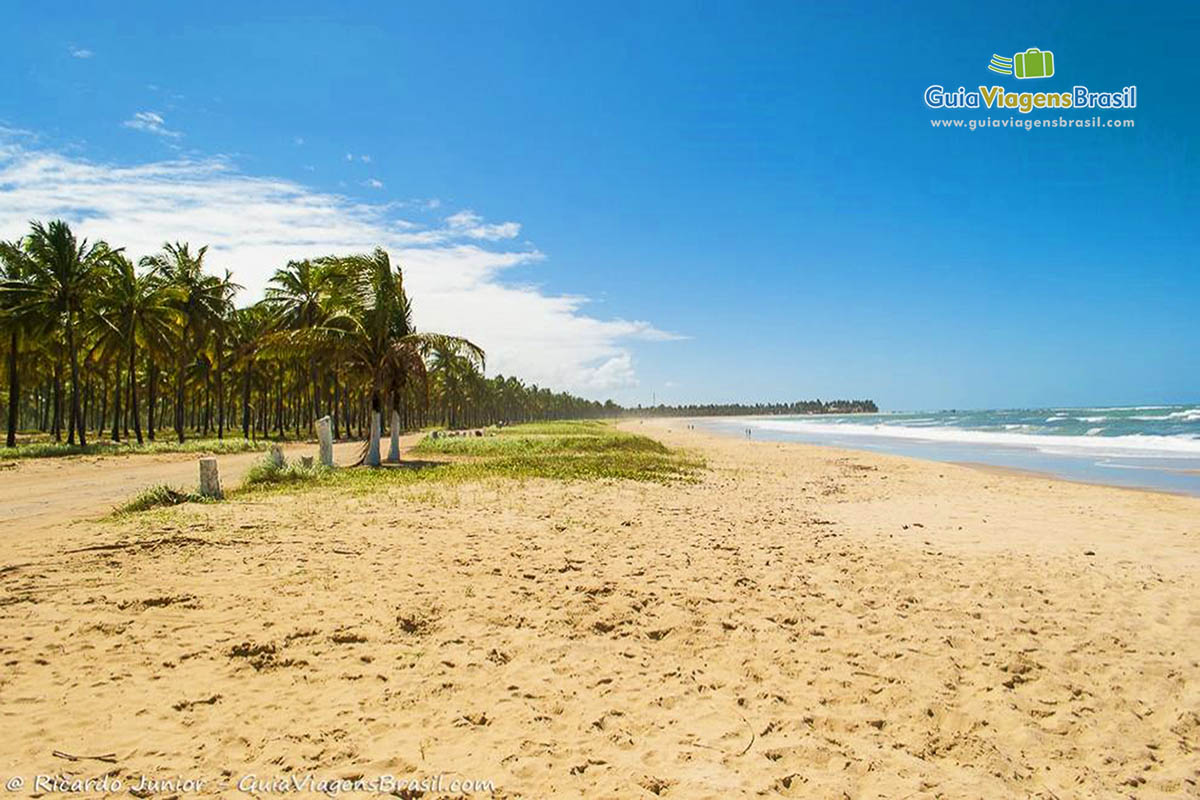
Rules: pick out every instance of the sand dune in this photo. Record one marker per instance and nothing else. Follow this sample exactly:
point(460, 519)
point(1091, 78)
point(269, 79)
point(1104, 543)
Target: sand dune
point(803, 622)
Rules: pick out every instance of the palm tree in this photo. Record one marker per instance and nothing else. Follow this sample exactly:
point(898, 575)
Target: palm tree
point(61, 275)
point(376, 336)
point(458, 375)
point(202, 302)
point(333, 333)
point(305, 294)
point(13, 271)
point(135, 308)
point(248, 336)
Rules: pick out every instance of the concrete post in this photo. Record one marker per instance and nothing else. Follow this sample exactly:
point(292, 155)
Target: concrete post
point(325, 437)
point(394, 450)
point(372, 458)
point(276, 455)
point(210, 480)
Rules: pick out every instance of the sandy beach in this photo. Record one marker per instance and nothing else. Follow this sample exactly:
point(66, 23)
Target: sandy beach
point(799, 622)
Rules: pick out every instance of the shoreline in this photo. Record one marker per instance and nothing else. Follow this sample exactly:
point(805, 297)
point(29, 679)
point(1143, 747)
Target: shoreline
point(1072, 469)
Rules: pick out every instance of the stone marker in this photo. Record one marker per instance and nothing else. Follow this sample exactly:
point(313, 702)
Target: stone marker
point(372, 457)
point(394, 448)
point(276, 455)
point(325, 437)
point(210, 480)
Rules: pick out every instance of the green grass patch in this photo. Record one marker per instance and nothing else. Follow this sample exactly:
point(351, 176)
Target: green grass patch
point(566, 451)
point(516, 444)
point(160, 496)
point(560, 451)
point(576, 427)
point(268, 473)
point(106, 448)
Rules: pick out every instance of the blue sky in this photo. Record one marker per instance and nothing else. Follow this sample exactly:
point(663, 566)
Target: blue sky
point(707, 202)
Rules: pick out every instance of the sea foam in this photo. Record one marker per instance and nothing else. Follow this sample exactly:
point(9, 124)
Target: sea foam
point(1128, 445)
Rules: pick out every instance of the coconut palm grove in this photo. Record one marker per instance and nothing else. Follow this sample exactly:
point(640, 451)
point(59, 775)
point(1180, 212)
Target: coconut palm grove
point(98, 346)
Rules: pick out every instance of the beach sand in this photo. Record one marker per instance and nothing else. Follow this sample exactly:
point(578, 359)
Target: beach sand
point(801, 622)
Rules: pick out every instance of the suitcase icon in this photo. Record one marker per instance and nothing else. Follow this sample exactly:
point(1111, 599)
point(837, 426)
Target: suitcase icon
point(1033, 63)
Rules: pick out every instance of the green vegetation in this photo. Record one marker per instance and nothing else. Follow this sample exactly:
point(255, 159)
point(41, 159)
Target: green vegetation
point(268, 473)
point(575, 451)
point(52, 449)
point(159, 496)
point(96, 346)
point(518, 442)
point(565, 427)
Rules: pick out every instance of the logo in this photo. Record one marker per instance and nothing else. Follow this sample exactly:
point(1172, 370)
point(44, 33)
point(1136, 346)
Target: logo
point(1030, 63)
point(1033, 63)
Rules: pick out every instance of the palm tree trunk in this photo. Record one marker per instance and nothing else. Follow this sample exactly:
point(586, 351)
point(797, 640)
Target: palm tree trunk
point(76, 411)
point(279, 403)
point(14, 389)
point(151, 397)
point(116, 428)
point(133, 393)
point(102, 420)
point(220, 396)
point(246, 402)
point(181, 379)
point(316, 399)
point(372, 457)
point(179, 400)
point(207, 417)
point(56, 424)
point(394, 450)
point(334, 411)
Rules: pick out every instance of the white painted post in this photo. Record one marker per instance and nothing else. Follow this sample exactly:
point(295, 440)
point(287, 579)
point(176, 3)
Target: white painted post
point(210, 479)
point(325, 437)
point(394, 450)
point(372, 459)
point(276, 455)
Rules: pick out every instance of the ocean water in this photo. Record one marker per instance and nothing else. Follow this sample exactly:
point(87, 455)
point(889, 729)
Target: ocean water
point(1149, 446)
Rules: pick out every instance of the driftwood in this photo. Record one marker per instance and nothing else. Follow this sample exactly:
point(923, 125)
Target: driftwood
point(108, 758)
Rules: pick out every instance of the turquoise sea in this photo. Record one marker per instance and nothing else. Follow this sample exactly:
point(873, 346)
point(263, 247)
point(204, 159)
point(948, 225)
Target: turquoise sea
point(1146, 446)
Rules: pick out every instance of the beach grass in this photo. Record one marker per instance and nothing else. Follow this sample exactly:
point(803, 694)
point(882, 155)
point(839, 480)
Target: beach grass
point(570, 427)
point(560, 451)
point(566, 451)
point(563, 440)
point(158, 496)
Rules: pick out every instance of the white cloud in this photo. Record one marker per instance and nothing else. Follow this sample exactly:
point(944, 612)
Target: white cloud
point(365, 159)
point(150, 122)
point(253, 225)
point(81, 52)
point(468, 223)
point(374, 183)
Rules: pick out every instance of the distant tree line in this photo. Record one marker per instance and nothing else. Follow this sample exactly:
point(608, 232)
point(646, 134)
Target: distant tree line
point(745, 410)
